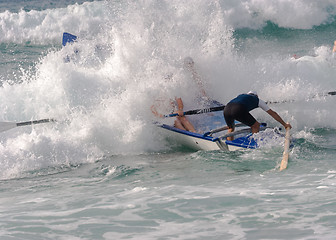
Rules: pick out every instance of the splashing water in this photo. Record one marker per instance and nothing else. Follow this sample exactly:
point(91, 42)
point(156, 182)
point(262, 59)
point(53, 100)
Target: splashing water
point(102, 96)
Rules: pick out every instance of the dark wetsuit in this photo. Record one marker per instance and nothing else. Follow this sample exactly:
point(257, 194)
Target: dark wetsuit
point(239, 109)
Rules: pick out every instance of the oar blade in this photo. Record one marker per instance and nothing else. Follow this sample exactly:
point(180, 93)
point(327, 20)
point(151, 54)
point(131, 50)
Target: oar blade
point(68, 38)
point(4, 126)
point(284, 161)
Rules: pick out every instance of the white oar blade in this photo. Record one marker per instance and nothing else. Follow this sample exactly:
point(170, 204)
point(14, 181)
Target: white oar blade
point(284, 161)
point(4, 126)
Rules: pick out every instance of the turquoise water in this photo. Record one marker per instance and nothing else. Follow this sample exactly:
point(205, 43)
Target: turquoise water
point(104, 171)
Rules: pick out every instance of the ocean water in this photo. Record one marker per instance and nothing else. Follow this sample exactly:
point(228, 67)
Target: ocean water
point(103, 170)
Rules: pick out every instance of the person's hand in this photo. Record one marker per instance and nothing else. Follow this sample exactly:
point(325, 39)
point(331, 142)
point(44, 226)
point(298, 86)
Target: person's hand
point(188, 63)
point(287, 125)
point(156, 112)
point(180, 113)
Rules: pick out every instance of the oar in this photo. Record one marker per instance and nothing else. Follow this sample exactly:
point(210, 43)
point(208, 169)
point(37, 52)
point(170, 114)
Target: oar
point(284, 161)
point(331, 93)
point(245, 130)
point(68, 38)
point(221, 129)
point(4, 126)
point(262, 125)
point(220, 108)
point(198, 111)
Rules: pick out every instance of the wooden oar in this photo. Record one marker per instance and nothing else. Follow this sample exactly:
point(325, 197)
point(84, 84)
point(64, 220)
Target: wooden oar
point(284, 161)
point(4, 126)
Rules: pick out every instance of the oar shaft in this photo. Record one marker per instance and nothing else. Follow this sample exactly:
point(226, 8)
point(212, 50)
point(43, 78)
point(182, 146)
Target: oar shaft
point(221, 129)
point(4, 126)
point(244, 130)
point(35, 122)
point(198, 111)
point(332, 93)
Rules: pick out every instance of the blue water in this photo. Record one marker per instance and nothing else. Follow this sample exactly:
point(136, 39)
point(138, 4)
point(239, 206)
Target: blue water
point(105, 171)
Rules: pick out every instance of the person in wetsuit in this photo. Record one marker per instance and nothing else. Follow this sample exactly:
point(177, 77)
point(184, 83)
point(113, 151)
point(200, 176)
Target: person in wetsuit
point(239, 109)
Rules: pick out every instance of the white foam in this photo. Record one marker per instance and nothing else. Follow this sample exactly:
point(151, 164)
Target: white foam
point(105, 92)
point(47, 26)
point(300, 14)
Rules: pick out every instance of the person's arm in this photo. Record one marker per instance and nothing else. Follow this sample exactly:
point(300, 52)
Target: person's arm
point(278, 118)
point(198, 80)
point(155, 112)
point(190, 66)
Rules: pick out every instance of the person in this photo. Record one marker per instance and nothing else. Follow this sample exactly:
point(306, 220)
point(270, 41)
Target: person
point(181, 121)
point(207, 121)
point(167, 104)
point(334, 48)
point(189, 64)
point(239, 109)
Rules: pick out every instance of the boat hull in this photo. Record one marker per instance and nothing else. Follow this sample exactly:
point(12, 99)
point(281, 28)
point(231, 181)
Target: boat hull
point(199, 141)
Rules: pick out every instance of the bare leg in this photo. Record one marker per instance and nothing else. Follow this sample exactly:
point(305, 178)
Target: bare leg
point(255, 127)
point(185, 124)
point(230, 130)
point(179, 125)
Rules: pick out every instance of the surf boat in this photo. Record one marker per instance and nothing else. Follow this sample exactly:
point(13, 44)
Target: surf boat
point(215, 139)
point(212, 135)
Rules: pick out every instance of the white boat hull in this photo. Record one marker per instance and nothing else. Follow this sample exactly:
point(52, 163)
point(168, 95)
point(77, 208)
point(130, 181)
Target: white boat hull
point(199, 141)
point(195, 142)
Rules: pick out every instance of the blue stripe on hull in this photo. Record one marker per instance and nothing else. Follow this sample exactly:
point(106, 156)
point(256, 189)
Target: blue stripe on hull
point(197, 135)
point(242, 142)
